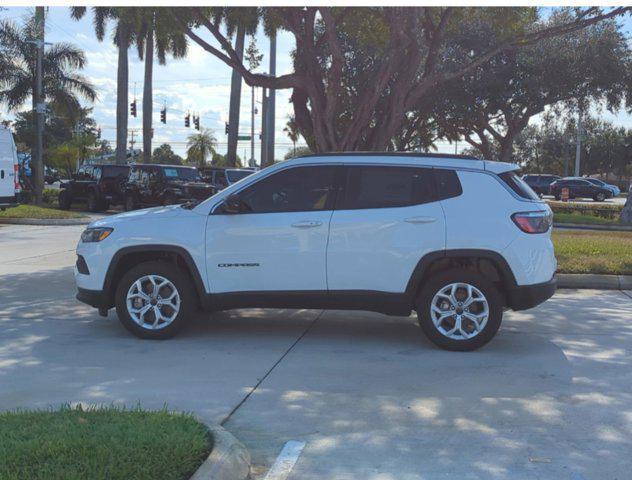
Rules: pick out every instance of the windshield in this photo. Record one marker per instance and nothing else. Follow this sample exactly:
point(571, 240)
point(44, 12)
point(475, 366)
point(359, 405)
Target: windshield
point(236, 175)
point(187, 174)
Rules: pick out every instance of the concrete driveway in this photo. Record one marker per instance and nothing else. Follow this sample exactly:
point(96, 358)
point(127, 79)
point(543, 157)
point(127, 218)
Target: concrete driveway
point(550, 397)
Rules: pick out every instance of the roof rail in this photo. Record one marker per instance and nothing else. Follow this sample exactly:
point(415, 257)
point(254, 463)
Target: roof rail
point(390, 154)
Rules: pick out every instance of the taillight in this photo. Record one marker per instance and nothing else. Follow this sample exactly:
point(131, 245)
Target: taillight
point(16, 178)
point(533, 222)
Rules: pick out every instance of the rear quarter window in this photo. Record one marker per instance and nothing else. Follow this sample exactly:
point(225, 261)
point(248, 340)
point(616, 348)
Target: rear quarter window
point(447, 184)
point(518, 185)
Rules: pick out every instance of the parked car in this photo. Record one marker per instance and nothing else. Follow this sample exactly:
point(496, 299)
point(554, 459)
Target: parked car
point(343, 231)
point(540, 183)
point(152, 185)
point(579, 188)
point(51, 175)
point(595, 181)
point(98, 185)
point(221, 178)
point(9, 170)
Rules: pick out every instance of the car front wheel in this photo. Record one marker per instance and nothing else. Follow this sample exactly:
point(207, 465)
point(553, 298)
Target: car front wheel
point(600, 197)
point(459, 310)
point(154, 300)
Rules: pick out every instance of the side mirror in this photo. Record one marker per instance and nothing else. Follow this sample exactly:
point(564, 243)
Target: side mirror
point(232, 204)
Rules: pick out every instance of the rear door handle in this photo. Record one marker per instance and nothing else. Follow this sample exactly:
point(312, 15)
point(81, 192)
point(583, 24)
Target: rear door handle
point(307, 224)
point(420, 219)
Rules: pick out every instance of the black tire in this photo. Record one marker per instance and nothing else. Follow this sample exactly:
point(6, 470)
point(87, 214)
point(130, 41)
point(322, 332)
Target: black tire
point(65, 200)
point(183, 285)
point(439, 281)
point(600, 197)
point(130, 203)
point(93, 201)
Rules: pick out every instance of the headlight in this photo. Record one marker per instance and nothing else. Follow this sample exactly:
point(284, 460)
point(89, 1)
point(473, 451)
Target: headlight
point(95, 234)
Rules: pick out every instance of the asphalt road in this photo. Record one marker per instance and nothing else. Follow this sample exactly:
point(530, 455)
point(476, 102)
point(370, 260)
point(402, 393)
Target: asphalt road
point(550, 397)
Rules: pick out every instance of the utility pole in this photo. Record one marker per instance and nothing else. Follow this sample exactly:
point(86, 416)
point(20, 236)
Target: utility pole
point(132, 142)
point(578, 148)
point(456, 146)
point(271, 104)
point(38, 165)
point(264, 128)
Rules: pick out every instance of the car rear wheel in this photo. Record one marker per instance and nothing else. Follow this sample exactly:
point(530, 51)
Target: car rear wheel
point(459, 310)
point(154, 300)
point(600, 197)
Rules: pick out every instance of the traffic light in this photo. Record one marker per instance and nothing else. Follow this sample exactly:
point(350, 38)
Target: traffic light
point(187, 120)
point(133, 108)
point(196, 122)
point(163, 115)
point(226, 129)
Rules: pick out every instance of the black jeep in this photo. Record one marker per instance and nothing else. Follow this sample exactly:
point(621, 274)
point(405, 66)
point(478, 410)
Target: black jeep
point(98, 185)
point(153, 185)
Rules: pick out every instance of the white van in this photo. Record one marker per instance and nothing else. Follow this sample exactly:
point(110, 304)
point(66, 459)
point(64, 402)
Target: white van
point(9, 175)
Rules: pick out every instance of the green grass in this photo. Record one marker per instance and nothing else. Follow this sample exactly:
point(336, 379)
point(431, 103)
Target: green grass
point(33, 211)
point(583, 219)
point(100, 443)
point(593, 252)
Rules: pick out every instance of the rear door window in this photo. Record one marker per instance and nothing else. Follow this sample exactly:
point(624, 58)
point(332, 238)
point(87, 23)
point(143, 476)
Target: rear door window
point(386, 187)
point(518, 185)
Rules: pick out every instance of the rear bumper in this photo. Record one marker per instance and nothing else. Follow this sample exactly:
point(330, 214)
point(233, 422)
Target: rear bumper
point(94, 298)
point(524, 297)
point(7, 202)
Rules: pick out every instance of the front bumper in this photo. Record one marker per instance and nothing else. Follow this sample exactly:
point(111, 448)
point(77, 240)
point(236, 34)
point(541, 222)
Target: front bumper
point(94, 298)
point(8, 202)
point(524, 297)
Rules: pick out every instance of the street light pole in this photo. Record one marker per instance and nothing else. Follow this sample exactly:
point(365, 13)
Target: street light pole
point(252, 129)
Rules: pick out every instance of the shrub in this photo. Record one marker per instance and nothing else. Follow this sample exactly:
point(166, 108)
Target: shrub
point(50, 195)
point(602, 211)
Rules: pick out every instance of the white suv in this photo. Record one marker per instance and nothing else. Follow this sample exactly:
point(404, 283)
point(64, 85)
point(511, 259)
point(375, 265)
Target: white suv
point(455, 238)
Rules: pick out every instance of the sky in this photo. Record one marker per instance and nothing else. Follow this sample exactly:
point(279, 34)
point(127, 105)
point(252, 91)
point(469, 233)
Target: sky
point(199, 83)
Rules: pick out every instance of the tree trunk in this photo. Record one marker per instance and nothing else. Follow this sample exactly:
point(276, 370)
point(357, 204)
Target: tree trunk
point(505, 153)
point(147, 96)
point(626, 213)
point(122, 87)
point(235, 100)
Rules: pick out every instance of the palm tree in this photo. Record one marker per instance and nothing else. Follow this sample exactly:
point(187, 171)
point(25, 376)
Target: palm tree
point(200, 146)
point(63, 87)
point(241, 22)
point(156, 30)
point(291, 129)
point(123, 38)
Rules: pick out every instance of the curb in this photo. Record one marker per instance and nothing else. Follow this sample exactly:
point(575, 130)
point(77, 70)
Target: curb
point(229, 459)
point(579, 226)
point(46, 221)
point(593, 281)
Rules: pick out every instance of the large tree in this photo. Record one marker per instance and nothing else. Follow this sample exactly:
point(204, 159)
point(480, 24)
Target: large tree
point(124, 35)
point(411, 55)
point(157, 34)
point(492, 104)
point(200, 146)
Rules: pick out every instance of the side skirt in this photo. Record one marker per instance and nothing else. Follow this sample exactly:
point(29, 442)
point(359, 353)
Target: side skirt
point(382, 302)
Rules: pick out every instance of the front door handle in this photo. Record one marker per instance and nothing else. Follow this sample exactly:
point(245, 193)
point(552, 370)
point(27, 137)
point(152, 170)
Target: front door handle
point(420, 219)
point(307, 224)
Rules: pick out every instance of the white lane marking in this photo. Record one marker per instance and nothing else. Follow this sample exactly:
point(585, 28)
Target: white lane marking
point(286, 460)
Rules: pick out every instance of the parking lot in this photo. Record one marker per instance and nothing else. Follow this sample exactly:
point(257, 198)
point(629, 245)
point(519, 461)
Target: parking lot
point(550, 397)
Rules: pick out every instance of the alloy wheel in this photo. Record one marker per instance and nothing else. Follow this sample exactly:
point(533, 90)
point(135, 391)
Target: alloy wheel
point(459, 311)
point(153, 302)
